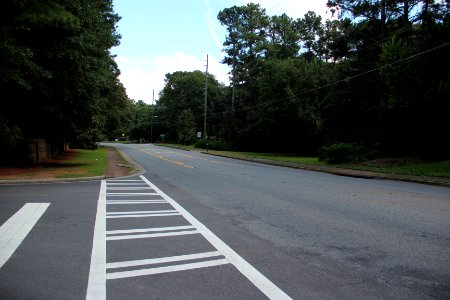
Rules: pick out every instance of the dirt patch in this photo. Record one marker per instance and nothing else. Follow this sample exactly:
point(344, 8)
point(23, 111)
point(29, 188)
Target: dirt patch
point(117, 167)
point(55, 167)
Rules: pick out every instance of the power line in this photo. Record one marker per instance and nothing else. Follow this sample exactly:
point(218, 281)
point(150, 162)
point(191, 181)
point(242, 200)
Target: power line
point(272, 101)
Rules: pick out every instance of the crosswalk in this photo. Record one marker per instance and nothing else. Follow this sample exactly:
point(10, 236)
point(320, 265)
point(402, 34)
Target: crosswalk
point(16, 228)
point(133, 216)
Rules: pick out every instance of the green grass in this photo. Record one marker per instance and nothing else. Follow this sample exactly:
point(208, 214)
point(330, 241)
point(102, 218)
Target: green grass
point(394, 166)
point(406, 166)
point(434, 169)
point(177, 146)
point(85, 163)
point(308, 160)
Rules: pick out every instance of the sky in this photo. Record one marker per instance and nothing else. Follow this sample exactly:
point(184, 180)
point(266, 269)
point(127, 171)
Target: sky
point(164, 36)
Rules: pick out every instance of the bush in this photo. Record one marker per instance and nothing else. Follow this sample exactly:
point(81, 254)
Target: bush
point(213, 145)
point(340, 153)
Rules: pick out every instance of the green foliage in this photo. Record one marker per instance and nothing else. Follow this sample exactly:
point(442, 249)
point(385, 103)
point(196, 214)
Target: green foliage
point(340, 153)
point(212, 144)
point(185, 91)
point(55, 60)
point(186, 127)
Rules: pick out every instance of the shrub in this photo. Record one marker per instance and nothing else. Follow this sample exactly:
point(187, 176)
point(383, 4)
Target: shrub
point(213, 145)
point(340, 153)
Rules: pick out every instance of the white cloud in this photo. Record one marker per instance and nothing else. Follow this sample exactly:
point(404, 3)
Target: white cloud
point(141, 77)
point(212, 25)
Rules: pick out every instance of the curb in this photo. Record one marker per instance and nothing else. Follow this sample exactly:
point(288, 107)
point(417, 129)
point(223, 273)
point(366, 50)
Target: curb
point(437, 181)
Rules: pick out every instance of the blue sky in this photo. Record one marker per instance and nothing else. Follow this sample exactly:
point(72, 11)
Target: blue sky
point(164, 36)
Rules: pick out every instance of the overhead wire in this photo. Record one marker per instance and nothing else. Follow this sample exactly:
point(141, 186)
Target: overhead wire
point(275, 100)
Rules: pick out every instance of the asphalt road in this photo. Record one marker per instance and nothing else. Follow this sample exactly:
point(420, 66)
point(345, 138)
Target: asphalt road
point(310, 235)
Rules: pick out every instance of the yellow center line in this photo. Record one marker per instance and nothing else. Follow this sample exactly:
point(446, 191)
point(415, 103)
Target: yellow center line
point(166, 159)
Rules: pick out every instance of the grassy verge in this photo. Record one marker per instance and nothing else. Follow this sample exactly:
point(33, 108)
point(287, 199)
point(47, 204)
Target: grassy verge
point(393, 166)
point(307, 160)
point(84, 163)
point(177, 146)
point(434, 169)
point(405, 166)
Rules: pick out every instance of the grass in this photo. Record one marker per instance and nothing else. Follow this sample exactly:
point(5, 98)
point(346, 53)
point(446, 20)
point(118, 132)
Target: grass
point(308, 160)
point(394, 166)
point(434, 169)
point(85, 163)
point(177, 146)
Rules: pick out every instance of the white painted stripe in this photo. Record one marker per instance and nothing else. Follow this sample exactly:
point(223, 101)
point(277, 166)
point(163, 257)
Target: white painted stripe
point(124, 180)
point(258, 279)
point(140, 212)
point(149, 200)
point(150, 235)
point(17, 227)
point(125, 184)
point(96, 289)
point(152, 261)
point(135, 202)
point(140, 230)
point(130, 194)
point(151, 271)
point(142, 216)
point(130, 188)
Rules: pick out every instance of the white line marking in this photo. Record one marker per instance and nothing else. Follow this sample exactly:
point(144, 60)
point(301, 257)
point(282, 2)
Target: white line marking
point(141, 212)
point(136, 202)
point(167, 269)
point(125, 184)
point(143, 216)
point(130, 194)
point(258, 279)
point(150, 235)
point(16, 228)
point(124, 180)
point(130, 188)
point(96, 289)
point(127, 200)
point(140, 230)
point(152, 261)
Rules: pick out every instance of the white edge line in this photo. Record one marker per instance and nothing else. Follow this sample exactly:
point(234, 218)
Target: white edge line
point(152, 261)
point(151, 271)
point(96, 289)
point(257, 278)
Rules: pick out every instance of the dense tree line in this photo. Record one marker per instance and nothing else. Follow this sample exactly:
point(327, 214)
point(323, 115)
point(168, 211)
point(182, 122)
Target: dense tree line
point(375, 78)
point(58, 80)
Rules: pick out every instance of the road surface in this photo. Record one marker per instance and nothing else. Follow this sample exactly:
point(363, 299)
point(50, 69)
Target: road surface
point(310, 235)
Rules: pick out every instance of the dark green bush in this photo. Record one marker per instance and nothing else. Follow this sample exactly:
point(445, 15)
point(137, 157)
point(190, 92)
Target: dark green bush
point(213, 145)
point(340, 153)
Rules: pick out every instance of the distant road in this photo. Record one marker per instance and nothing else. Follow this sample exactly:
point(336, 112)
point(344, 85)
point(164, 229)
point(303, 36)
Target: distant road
point(316, 235)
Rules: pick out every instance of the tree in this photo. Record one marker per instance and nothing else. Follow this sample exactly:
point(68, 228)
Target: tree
point(186, 91)
point(310, 29)
point(62, 70)
point(282, 38)
point(186, 127)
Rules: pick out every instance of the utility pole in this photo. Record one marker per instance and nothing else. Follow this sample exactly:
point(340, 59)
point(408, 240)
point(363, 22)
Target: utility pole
point(151, 120)
point(206, 103)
